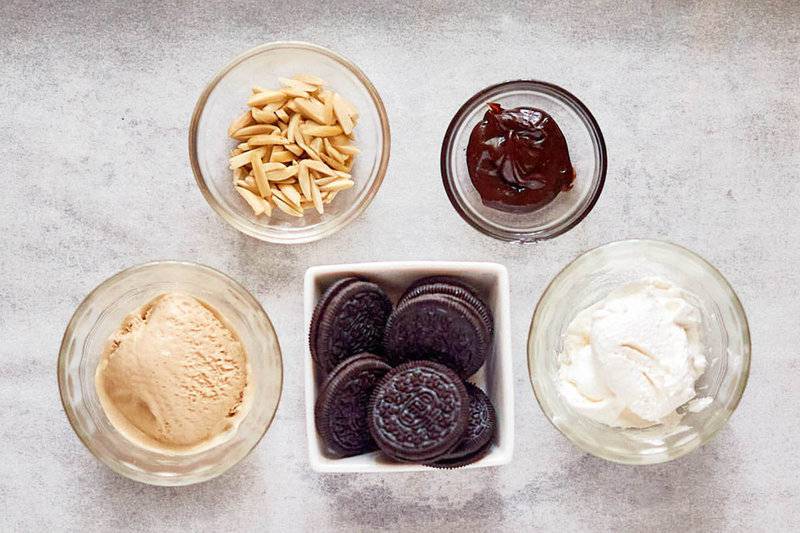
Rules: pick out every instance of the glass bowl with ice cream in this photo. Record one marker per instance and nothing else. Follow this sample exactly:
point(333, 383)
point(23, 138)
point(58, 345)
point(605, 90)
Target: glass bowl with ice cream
point(639, 351)
point(170, 372)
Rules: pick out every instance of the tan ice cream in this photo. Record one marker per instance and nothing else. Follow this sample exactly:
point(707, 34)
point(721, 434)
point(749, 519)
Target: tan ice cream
point(174, 376)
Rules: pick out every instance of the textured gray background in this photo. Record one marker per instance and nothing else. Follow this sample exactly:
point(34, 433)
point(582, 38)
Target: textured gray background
point(699, 105)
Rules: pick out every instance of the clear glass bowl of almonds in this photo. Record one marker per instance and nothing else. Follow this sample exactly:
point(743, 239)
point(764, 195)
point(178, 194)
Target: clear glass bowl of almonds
point(289, 142)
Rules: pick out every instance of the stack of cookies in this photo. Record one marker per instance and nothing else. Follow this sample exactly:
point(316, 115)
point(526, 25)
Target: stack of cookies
point(395, 377)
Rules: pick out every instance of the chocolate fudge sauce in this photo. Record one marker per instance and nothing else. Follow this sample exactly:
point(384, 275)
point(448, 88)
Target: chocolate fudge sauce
point(518, 159)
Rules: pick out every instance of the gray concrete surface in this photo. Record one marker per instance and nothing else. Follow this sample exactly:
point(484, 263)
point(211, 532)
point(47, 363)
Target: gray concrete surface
point(700, 109)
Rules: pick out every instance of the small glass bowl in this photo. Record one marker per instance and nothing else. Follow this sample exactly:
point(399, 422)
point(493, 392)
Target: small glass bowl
point(224, 99)
point(590, 278)
point(587, 151)
point(101, 313)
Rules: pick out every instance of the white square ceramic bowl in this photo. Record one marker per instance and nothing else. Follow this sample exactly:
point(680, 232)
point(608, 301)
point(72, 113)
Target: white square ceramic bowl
point(491, 281)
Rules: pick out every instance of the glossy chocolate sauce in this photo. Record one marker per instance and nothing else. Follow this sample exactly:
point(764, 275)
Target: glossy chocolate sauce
point(518, 159)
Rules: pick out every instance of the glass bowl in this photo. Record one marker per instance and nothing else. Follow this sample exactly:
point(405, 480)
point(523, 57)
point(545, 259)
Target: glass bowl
point(101, 313)
point(587, 150)
point(225, 98)
point(590, 278)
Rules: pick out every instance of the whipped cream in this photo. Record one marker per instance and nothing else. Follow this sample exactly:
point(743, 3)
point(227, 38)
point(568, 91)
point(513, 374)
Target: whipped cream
point(632, 359)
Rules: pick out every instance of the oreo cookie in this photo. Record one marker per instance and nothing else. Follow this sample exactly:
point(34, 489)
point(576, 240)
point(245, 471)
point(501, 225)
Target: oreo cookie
point(340, 413)
point(349, 318)
point(419, 411)
point(462, 461)
point(440, 280)
point(441, 328)
point(480, 431)
point(456, 289)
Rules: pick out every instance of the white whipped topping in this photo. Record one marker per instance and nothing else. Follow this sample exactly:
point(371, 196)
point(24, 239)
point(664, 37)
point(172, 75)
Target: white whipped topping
point(632, 359)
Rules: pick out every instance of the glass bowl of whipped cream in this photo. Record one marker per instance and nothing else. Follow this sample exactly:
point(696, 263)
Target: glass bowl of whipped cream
point(639, 351)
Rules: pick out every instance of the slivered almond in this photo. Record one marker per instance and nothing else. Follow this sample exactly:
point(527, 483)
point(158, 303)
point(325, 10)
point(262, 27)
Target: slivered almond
point(309, 79)
point(347, 149)
point(330, 118)
point(291, 106)
point(338, 185)
point(293, 123)
point(264, 116)
point(244, 158)
point(298, 135)
point(316, 130)
point(272, 165)
point(282, 115)
point(311, 109)
point(284, 174)
point(243, 134)
point(351, 109)
point(342, 114)
point(331, 162)
point(329, 198)
point(294, 93)
point(258, 89)
point(245, 185)
point(326, 180)
point(267, 139)
point(295, 149)
point(260, 176)
point(263, 98)
point(285, 207)
point(316, 144)
point(307, 149)
point(326, 97)
point(245, 119)
point(333, 152)
point(297, 84)
point(256, 203)
point(316, 196)
point(319, 166)
point(277, 194)
point(304, 180)
point(291, 194)
point(281, 156)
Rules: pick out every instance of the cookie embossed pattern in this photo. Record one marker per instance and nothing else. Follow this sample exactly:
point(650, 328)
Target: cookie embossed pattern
point(396, 278)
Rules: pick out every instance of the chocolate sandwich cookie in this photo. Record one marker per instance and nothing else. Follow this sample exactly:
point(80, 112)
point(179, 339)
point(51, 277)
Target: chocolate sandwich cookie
point(418, 412)
point(456, 289)
point(480, 430)
point(463, 461)
point(441, 328)
point(340, 413)
point(444, 280)
point(350, 318)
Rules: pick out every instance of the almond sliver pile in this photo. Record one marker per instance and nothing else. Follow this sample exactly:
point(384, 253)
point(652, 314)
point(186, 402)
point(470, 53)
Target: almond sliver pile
point(295, 147)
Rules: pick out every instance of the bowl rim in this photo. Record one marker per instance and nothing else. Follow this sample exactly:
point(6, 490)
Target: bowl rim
point(746, 356)
point(336, 223)
point(61, 370)
point(570, 100)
